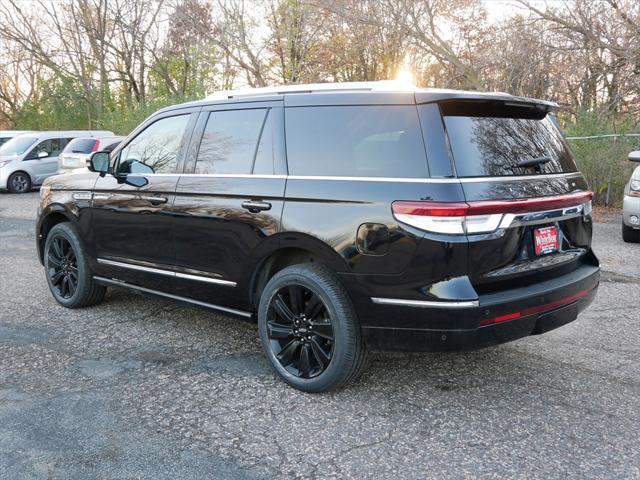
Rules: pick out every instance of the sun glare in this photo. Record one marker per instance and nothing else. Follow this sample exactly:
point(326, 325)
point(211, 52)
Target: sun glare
point(405, 76)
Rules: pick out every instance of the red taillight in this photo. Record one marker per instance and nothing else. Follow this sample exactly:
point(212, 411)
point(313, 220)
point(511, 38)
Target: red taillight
point(435, 209)
point(528, 205)
point(534, 310)
point(478, 216)
point(96, 146)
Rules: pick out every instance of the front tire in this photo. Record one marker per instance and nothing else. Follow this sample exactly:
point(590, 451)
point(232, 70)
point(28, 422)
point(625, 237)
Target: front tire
point(19, 182)
point(309, 330)
point(69, 276)
point(630, 235)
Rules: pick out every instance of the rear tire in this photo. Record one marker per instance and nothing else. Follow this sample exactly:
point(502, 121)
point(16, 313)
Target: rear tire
point(19, 182)
point(69, 275)
point(630, 235)
point(309, 329)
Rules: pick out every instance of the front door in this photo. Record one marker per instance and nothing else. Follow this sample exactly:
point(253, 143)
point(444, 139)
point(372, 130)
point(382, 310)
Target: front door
point(229, 201)
point(131, 208)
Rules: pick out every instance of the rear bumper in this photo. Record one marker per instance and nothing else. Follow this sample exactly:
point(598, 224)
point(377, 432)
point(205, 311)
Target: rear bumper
point(498, 318)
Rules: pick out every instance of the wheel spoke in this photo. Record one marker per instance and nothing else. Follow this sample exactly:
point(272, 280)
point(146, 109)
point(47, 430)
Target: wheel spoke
point(56, 277)
point(57, 248)
point(53, 260)
point(279, 331)
point(314, 307)
point(323, 329)
point(321, 356)
point(73, 284)
point(305, 364)
point(287, 353)
point(64, 288)
point(282, 309)
point(295, 299)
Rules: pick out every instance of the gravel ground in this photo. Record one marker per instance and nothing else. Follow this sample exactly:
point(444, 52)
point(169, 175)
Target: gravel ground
point(144, 388)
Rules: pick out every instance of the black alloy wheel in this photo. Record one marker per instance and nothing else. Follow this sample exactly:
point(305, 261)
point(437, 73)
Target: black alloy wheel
point(62, 267)
point(67, 268)
point(309, 329)
point(19, 182)
point(299, 327)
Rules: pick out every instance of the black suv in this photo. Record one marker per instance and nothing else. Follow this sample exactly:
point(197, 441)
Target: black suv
point(343, 218)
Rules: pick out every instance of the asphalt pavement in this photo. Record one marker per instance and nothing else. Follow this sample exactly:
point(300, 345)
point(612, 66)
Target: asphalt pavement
point(145, 388)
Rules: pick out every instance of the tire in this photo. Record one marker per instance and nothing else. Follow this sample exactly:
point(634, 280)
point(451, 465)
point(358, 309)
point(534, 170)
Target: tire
point(630, 235)
point(312, 338)
point(66, 266)
point(19, 182)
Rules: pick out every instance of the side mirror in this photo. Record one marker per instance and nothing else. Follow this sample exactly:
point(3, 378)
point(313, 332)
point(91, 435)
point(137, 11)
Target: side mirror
point(634, 156)
point(99, 162)
point(43, 154)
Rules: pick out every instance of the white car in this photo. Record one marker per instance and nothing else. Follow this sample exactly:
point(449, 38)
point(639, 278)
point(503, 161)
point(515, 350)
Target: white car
point(6, 135)
point(631, 204)
point(75, 156)
point(30, 158)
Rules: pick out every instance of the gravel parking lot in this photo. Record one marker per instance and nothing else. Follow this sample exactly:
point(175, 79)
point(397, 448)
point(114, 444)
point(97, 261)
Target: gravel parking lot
point(144, 388)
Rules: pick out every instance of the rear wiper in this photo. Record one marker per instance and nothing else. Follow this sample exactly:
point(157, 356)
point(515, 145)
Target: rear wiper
point(532, 162)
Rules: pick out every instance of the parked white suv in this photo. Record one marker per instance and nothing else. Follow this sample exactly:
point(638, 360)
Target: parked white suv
point(28, 159)
point(631, 204)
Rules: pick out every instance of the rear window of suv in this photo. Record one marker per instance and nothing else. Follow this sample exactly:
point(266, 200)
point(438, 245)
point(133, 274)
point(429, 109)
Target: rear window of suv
point(355, 141)
point(80, 145)
point(489, 140)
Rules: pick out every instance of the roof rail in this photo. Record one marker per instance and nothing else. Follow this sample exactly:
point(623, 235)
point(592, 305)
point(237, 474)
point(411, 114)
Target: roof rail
point(378, 86)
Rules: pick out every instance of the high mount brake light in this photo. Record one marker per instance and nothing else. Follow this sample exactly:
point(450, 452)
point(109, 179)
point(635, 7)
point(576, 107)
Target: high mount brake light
point(460, 218)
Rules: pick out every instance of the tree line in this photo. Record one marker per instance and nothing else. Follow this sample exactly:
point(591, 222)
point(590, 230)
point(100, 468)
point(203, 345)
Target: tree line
point(109, 63)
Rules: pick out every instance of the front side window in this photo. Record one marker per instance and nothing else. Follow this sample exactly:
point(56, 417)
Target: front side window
point(48, 148)
point(156, 148)
point(229, 141)
point(355, 141)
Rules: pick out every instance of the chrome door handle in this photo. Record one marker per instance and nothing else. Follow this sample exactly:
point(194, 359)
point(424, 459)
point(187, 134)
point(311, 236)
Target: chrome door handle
point(255, 207)
point(155, 200)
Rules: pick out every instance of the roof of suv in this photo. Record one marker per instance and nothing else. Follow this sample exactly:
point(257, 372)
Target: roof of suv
point(387, 91)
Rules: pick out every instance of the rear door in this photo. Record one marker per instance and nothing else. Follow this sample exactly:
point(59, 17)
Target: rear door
point(531, 206)
point(229, 201)
point(132, 208)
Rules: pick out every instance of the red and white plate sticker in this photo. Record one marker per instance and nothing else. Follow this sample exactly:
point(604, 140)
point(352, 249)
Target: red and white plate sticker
point(546, 240)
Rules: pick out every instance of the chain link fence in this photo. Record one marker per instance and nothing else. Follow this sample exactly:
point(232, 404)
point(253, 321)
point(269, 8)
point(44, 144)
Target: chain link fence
point(603, 161)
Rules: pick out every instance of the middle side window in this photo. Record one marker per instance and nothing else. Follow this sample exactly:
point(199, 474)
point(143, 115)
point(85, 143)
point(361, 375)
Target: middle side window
point(229, 141)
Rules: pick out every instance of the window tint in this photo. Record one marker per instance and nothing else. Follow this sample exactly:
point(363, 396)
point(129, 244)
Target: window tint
point(263, 164)
point(52, 147)
point(494, 145)
point(155, 149)
point(229, 141)
point(80, 145)
point(373, 141)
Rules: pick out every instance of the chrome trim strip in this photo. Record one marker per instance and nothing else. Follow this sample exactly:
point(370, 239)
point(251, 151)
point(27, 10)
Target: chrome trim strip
point(168, 273)
point(425, 303)
point(81, 195)
point(437, 180)
point(367, 179)
point(120, 283)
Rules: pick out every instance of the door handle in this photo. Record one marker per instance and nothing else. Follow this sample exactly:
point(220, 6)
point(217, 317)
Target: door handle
point(155, 200)
point(255, 207)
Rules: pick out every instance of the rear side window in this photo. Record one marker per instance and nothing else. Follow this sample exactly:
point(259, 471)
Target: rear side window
point(495, 145)
point(229, 141)
point(80, 145)
point(355, 141)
